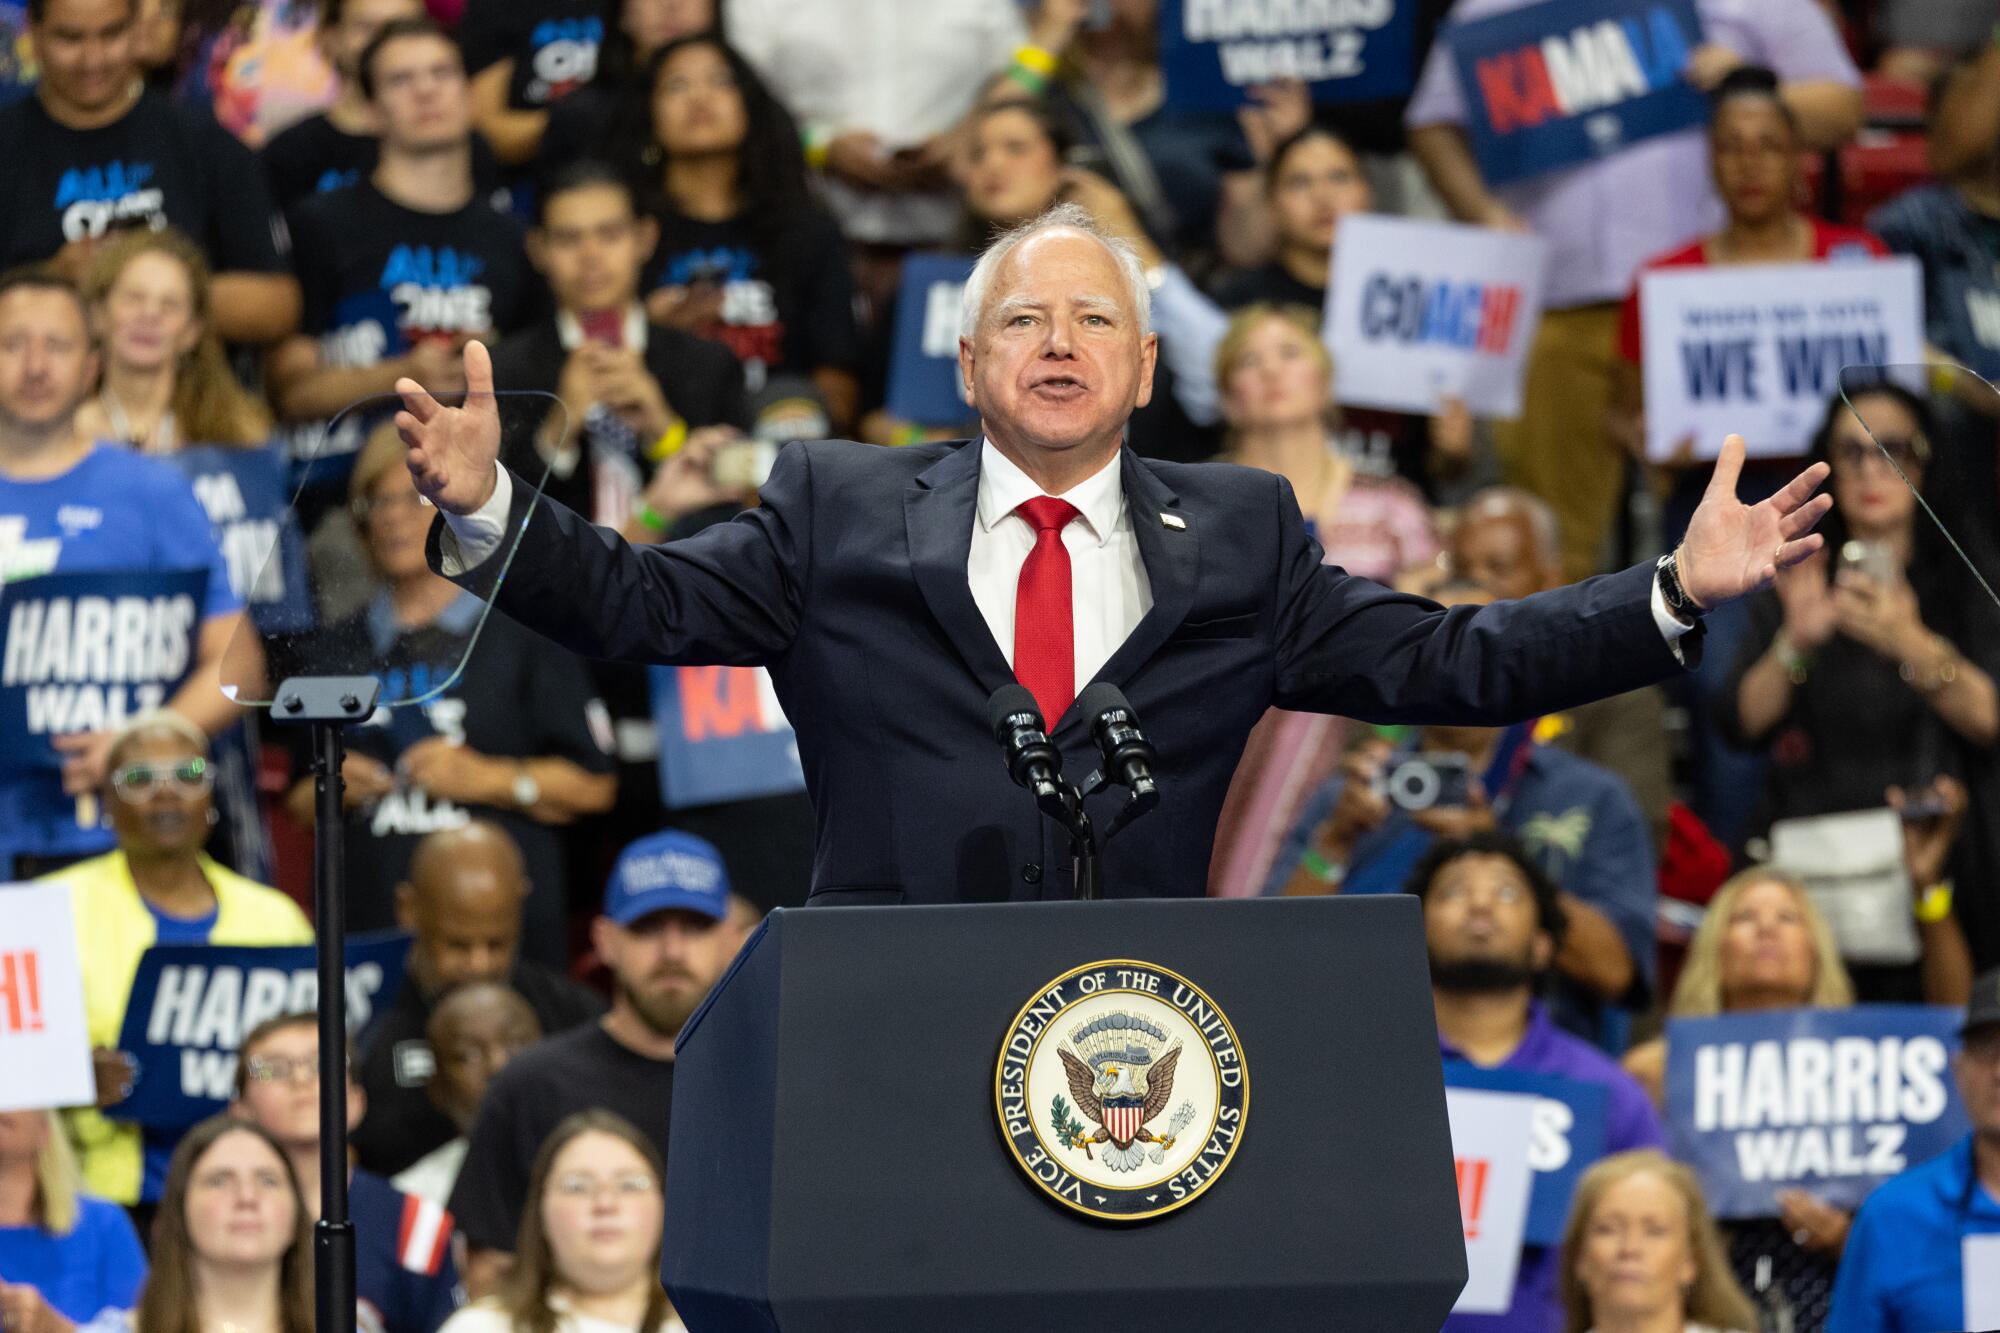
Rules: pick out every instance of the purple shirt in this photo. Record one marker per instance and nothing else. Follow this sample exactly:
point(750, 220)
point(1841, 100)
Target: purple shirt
point(1629, 1122)
point(1603, 218)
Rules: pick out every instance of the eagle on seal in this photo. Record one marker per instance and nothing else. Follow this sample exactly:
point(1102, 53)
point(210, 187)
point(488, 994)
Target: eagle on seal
point(1121, 1081)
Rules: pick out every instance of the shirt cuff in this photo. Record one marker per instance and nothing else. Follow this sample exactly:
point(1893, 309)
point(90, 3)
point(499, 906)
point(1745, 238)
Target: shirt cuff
point(469, 539)
point(1672, 627)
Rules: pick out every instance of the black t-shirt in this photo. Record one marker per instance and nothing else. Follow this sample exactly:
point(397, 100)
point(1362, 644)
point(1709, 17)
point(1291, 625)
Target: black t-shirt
point(315, 156)
point(787, 303)
point(518, 697)
point(580, 1070)
point(401, 1124)
point(553, 44)
point(162, 163)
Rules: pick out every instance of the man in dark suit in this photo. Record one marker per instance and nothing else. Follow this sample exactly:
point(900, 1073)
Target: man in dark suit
point(883, 587)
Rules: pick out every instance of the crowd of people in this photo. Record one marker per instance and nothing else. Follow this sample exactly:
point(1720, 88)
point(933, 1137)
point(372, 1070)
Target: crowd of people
point(682, 224)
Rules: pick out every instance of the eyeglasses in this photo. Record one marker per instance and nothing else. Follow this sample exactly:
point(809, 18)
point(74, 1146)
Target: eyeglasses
point(1852, 455)
point(283, 1068)
point(624, 1185)
point(400, 502)
point(137, 782)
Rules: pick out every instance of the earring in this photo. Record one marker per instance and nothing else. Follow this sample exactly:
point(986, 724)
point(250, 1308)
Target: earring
point(214, 816)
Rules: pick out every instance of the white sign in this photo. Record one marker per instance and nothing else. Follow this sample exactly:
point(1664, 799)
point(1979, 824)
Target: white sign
point(1757, 349)
point(1981, 1256)
point(1490, 1134)
point(1418, 311)
point(44, 1045)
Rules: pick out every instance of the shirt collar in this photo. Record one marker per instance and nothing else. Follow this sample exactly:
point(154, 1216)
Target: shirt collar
point(1004, 487)
point(570, 333)
point(459, 616)
point(1533, 1038)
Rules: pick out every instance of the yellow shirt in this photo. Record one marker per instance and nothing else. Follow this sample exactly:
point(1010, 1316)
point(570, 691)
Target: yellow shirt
point(113, 928)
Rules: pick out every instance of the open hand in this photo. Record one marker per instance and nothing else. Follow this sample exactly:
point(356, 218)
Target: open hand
point(1732, 549)
point(454, 451)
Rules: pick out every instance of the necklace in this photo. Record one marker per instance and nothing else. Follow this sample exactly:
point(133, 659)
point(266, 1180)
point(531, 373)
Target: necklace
point(162, 439)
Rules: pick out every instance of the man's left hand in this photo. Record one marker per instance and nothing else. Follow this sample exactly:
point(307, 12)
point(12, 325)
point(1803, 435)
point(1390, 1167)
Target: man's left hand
point(455, 773)
point(622, 383)
point(1733, 549)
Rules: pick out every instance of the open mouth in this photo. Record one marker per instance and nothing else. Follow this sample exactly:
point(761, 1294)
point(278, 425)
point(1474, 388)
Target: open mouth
point(1061, 387)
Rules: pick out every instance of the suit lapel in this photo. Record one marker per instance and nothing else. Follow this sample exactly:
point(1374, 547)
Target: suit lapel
point(1172, 557)
point(938, 511)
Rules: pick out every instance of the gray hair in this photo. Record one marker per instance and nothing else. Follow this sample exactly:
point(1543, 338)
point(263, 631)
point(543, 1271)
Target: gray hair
point(1065, 217)
point(1506, 502)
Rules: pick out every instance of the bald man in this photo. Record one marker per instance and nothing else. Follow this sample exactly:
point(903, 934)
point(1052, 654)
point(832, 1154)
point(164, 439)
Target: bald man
point(462, 907)
point(1507, 542)
point(476, 1029)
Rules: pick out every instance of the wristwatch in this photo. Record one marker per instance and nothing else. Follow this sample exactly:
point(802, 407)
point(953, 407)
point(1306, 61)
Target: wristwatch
point(526, 790)
point(1678, 602)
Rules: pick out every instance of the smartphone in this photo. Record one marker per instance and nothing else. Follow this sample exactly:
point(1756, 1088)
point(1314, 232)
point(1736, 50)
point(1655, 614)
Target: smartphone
point(603, 326)
point(1098, 17)
point(1922, 806)
point(744, 464)
point(1873, 559)
point(1423, 781)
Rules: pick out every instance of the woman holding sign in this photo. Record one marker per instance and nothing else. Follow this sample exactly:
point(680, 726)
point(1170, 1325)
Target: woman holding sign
point(64, 1258)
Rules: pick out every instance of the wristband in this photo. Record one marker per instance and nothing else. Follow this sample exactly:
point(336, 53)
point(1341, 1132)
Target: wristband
point(1934, 903)
point(650, 518)
point(815, 141)
point(1038, 61)
point(1028, 79)
point(1321, 869)
point(1790, 658)
point(669, 443)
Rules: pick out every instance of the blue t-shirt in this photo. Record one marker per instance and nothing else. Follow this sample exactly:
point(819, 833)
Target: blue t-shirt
point(113, 512)
point(1903, 1270)
point(157, 1145)
point(404, 1276)
point(97, 1266)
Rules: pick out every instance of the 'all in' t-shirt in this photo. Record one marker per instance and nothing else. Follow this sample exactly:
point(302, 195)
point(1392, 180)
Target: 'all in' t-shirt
point(315, 156)
point(378, 278)
point(553, 44)
point(80, 667)
point(160, 164)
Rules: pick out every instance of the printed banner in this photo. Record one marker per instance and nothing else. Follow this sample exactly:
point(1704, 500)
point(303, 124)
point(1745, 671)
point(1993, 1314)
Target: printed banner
point(192, 1003)
point(923, 361)
point(1567, 1134)
point(1212, 52)
point(1832, 1101)
point(1566, 81)
point(1490, 1134)
point(44, 1041)
point(89, 652)
point(243, 492)
point(1421, 310)
point(1757, 349)
point(723, 736)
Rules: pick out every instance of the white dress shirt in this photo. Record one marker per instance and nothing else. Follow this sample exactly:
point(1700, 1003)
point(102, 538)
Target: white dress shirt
point(1110, 592)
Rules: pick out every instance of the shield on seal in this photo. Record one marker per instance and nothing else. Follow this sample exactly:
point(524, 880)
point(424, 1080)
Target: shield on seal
point(1122, 1118)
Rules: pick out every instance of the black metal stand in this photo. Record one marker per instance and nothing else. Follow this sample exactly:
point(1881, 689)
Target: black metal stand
point(327, 703)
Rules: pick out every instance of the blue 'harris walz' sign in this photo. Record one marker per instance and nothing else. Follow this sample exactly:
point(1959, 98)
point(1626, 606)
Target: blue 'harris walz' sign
point(1212, 52)
point(1567, 81)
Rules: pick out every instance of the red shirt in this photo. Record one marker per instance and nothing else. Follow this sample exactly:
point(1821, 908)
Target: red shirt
point(1830, 241)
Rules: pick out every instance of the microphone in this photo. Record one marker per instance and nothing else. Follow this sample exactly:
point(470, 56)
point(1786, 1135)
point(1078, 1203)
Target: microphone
point(1128, 756)
point(1016, 722)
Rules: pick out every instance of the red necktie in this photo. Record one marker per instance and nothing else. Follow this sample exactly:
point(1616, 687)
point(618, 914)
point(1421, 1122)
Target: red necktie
point(1044, 630)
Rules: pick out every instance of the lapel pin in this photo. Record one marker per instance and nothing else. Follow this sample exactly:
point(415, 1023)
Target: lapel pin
point(1174, 521)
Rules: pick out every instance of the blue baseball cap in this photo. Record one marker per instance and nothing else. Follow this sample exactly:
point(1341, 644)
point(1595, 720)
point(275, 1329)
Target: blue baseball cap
point(668, 871)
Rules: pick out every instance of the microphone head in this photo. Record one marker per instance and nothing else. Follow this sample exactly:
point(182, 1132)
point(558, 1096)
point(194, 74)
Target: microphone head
point(1103, 697)
point(1009, 702)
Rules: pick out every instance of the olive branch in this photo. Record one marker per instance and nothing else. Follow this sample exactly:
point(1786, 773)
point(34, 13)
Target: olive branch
point(1069, 1130)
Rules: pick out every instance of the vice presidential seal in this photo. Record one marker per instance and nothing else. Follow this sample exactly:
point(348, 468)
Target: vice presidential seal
point(1121, 1090)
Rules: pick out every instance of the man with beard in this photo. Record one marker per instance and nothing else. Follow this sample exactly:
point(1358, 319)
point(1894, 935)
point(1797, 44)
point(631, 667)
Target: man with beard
point(670, 926)
point(1492, 923)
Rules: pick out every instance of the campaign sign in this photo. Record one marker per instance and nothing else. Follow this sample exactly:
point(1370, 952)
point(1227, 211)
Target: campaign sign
point(723, 736)
point(192, 1004)
point(1490, 1133)
point(1757, 349)
point(44, 1040)
point(1567, 1134)
point(1212, 52)
point(243, 492)
point(1421, 310)
point(1832, 1101)
point(1566, 81)
point(923, 361)
point(89, 652)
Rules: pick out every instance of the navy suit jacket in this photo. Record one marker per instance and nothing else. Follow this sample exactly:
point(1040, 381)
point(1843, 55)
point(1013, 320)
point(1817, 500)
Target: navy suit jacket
point(849, 583)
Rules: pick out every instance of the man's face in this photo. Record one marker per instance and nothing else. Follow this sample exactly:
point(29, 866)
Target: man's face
point(1480, 923)
point(474, 1040)
point(1498, 553)
point(360, 20)
point(467, 928)
point(421, 95)
point(86, 52)
point(1978, 1068)
point(46, 364)
point(591, 247)
point(664, 964)
point(1057, 362)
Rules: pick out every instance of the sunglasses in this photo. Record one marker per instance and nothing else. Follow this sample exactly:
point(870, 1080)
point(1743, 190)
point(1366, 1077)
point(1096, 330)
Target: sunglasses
point(138, 782)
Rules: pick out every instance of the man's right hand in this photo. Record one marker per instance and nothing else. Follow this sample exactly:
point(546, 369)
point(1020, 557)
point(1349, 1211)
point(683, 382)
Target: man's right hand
point(454, 451)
